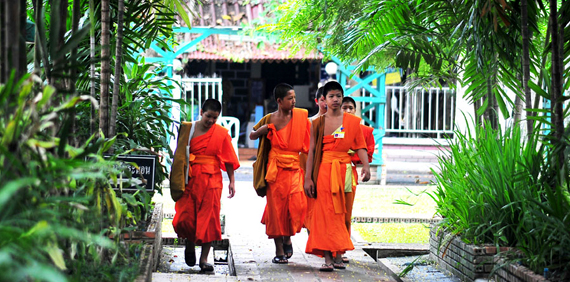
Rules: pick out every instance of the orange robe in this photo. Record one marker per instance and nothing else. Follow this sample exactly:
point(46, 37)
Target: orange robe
point(286, 206)
point(349, 196)
point(327, 225)
point(198, 211)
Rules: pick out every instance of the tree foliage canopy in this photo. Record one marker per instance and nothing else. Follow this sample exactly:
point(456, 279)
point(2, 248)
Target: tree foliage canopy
point(477, 43)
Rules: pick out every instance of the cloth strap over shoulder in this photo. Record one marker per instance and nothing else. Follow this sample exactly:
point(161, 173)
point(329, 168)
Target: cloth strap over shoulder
point(188, 155)
point(260, 164)
point(318, 129)
point(179, 170)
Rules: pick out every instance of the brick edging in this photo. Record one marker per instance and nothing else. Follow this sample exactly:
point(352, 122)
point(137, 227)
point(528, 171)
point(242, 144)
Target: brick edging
point(469, 262)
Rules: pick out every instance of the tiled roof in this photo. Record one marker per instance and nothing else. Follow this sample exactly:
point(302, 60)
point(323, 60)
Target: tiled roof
point(234, 13)
point(221, 50)
point(227, 12)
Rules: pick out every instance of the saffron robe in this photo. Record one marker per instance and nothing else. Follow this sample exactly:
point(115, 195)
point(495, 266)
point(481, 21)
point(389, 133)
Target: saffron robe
point(326, 222)
point(198, 211)
point(286, 206)
point(349, 196)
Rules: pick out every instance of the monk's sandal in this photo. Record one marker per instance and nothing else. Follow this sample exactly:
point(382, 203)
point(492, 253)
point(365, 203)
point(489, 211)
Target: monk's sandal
point(280, 260)
point(327, 267)
point(206, 267)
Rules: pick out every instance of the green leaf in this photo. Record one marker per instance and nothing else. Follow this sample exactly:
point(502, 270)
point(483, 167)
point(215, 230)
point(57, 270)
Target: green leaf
point(483, 107)
point(73, 42)
point(502, 105)
point(130, 199)
point(9, 133)
point(41, 226)
point(12, 187)
point(46, 95)
point(538, 90)
point(43, 272)
point(56, 255)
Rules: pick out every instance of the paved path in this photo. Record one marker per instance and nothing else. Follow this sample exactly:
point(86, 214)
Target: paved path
point(252, 251)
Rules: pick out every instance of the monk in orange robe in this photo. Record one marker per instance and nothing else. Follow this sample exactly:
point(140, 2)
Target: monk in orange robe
point(207, 147)
point(320, 102)
point(332, 135)
point(288, 133)
point(349, 106)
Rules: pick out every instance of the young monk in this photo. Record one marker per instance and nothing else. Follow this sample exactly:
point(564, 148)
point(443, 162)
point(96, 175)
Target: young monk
point(204, 148)
point(332, 135)
point(320, 102)
point(287, 130)
point(349, 106)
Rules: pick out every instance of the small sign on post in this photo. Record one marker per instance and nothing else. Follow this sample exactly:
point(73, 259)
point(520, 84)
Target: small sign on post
point(147, 167)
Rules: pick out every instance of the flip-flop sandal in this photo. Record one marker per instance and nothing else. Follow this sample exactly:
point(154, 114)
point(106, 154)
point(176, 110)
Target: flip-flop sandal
point(327, 267)
point(206, 267)
point(280, 260)
point(288, 249)
point(190, 254)
point(345, 260)
point(339, 265)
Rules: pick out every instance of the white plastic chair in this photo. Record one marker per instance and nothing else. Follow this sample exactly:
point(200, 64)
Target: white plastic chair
point(233, 125)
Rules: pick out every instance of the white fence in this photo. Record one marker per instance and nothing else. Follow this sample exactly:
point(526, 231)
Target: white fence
point(198, 89)
point(422, 113)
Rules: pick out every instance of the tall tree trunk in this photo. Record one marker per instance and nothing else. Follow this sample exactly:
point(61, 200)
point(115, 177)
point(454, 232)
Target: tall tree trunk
point(476, 106)
point(22, 39)
point(105, 68)
point(57, 29)
point(3, 41)
point(526, 64)
point(10, 38)
point(73, 77)
point(118, 69)
point(492, 107)
point(92, 9)
point(37, 51)
point(556, 87)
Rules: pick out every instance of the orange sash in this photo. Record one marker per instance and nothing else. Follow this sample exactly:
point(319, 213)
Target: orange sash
point(283, 159)
point(202, 159)
point(337, 185)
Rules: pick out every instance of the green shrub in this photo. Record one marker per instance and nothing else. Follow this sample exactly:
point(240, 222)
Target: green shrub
point(501, 190)
point(56, 203)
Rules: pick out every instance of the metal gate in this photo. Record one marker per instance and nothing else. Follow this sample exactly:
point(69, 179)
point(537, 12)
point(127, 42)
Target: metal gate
point(421, 113)
point(196, 90)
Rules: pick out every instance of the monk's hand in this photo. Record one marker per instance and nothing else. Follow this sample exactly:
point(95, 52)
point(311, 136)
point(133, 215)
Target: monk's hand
point(365, 173)
point(309, 188)
point(232, 190)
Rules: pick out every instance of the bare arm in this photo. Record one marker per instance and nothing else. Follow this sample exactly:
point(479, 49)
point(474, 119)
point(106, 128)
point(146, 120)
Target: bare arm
point(362, 155)
point(231, 186)
point(309, 185)
point(259, 132)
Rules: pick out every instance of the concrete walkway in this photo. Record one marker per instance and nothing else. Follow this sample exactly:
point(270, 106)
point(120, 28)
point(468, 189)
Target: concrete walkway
point(253, 252)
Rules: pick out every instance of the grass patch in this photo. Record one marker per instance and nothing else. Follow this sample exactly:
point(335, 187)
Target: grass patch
point(380, 201)
point(393, 232)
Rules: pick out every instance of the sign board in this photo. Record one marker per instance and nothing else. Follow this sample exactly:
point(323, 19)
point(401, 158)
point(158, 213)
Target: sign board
point(147, 167)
